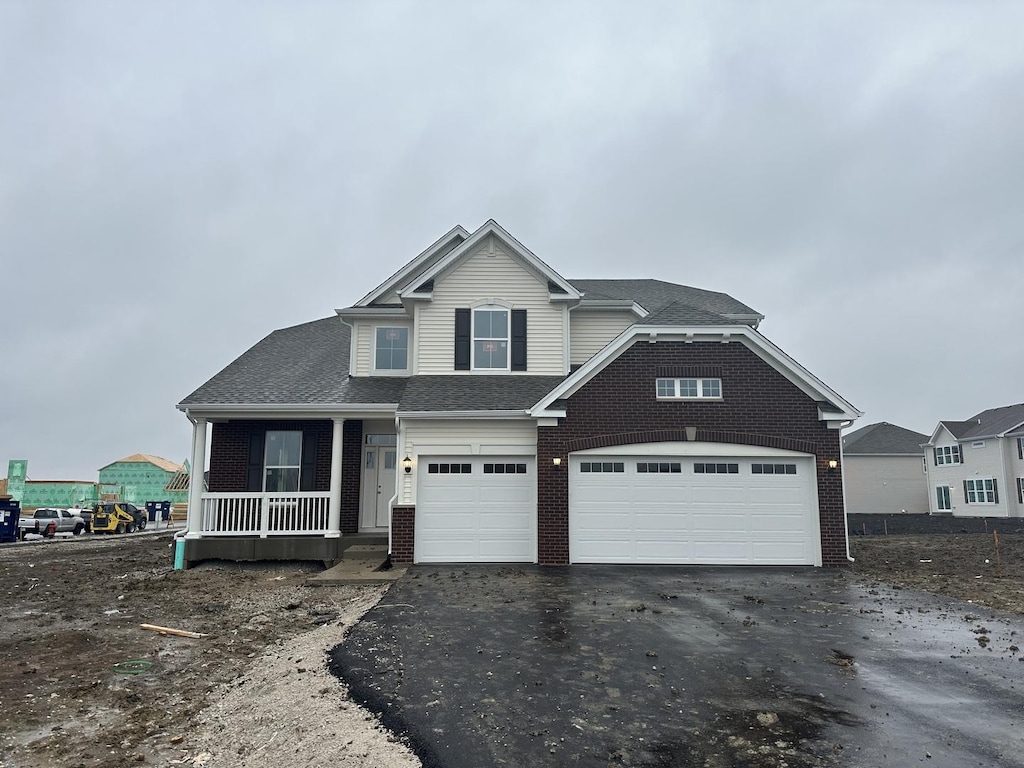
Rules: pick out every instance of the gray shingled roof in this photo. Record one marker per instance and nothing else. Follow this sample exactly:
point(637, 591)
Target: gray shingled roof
point(475, 393)
point(306, 363)
point(656, 295)
point(678, 313)
point(884, 439)
point(994, 421)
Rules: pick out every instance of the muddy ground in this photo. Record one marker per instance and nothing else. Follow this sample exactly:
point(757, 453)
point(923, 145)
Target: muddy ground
point(82, 685)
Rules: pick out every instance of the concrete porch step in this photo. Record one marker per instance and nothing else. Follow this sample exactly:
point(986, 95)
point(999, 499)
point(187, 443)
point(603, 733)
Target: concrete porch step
point(356, 571)
point(376, 552)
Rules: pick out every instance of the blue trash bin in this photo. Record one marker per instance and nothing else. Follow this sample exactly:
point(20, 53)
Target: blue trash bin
point(10, 512)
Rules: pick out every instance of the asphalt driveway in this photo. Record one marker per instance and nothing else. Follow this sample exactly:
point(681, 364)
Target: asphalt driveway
point(623, 666)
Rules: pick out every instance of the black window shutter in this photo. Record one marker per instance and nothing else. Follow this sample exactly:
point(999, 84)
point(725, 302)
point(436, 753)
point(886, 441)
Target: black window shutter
point(518, 340)
point(995, 490)
point(966, 498)
point(935, 455)
point(307, 472)
point(960, 453)
point(254, 467)
point(463, 321)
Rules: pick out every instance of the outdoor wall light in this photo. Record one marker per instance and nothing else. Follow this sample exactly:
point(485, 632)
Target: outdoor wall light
point(407, 465)
point(832, 464)
point(557, 461)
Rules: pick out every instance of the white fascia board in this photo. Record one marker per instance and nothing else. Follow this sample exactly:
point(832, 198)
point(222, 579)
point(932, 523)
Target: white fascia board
point(290, 410)
point(417, 263)
point(372, 312)
point(612, 305)
point(807, 382)
point(520, 414)
point(754, 319)
point(491, 227)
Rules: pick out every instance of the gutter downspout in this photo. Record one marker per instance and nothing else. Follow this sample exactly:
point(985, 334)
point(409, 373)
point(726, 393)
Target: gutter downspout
point(846, 512)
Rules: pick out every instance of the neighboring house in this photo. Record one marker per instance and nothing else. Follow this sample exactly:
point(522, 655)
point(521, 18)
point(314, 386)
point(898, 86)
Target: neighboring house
point(883, 468)
point(32, 494)
point(976, 467)
point(477, 406)
point(141, 477)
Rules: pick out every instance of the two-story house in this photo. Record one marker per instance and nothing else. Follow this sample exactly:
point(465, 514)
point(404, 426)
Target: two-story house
point(477, 406)
point(976, 467)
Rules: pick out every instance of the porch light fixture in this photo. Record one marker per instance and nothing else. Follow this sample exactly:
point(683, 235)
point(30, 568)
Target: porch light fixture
point(832, 464)
point(407, 465)
point(556, 462)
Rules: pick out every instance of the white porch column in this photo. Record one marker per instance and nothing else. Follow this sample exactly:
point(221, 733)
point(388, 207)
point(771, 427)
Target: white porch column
point(334, 512)
point(195, 481)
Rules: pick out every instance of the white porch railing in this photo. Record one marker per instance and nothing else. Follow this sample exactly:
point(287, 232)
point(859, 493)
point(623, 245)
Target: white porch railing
point(265, 514)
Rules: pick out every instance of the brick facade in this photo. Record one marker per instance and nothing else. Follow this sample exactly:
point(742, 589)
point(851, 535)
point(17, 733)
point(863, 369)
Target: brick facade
point(403, 533)
point(618, 407)
point(229, 457)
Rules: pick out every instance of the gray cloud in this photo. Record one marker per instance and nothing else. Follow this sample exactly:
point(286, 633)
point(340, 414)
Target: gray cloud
point(179, 179)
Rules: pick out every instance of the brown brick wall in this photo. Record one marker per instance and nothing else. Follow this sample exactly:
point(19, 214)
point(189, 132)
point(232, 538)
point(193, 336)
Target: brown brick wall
point(403, 533)
point(618, 407)
point(229, 456)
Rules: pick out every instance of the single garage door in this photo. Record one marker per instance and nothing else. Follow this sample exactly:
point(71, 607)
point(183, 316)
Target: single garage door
point(476, 509)
point(727, 510)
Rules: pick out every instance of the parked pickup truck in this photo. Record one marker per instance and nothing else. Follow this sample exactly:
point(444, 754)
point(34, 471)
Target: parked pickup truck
point(63, 520)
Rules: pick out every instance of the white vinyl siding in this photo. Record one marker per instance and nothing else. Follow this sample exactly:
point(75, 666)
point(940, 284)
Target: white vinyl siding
point(885, 484)
point(473, 437)
point(490, 273)
point(590, 332)
point(364, 340)
point(994, 460)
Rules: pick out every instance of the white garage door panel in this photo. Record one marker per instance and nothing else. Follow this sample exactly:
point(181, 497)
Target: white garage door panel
point(475, 516)
point(688, 517)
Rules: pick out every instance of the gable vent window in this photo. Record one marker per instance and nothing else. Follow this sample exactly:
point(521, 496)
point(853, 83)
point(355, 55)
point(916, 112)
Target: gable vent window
point(947, 454)
point(688, 389)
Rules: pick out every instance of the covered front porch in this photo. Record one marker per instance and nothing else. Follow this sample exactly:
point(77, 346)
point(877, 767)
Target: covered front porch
point(292, 487)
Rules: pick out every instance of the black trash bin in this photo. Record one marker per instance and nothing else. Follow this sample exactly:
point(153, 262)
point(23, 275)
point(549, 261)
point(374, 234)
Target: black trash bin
point(158, 510)
point(10, 511)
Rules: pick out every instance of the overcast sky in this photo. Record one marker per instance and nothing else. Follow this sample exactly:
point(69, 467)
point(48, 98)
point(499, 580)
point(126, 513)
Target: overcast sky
point(177, 180)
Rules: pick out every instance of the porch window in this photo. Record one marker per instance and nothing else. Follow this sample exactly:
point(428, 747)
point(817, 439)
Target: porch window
point(282, 461)
point(391, 350)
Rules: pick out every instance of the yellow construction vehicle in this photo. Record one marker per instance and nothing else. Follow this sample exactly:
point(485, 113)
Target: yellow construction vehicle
point(117, 517)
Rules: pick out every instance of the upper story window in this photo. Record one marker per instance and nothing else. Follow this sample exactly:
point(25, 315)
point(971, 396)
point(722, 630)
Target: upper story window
point(1020, 447)
point(689, 389)
point(391, 349)
point(490, 338)
point(282, 461)
point(947, 454)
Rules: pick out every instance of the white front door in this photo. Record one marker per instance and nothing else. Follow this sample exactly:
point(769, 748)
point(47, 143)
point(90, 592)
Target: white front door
point(378, 486)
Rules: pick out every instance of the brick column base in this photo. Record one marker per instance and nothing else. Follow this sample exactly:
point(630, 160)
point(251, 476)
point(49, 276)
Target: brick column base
point(403, 534)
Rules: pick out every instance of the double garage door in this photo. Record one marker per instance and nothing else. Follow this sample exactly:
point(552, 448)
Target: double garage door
point(752, 510)
point(476, 509)
point(715, 510)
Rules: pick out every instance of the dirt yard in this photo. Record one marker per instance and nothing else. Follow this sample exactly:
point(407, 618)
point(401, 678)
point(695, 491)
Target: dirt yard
point(83, 686)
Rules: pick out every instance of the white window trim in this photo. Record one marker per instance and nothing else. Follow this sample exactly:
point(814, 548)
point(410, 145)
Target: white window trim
point(980, 490)
point(948, 499)
point(408, 352)
point(267, 466)
point(490, 306)
point(700, 388)
point(947, 459)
